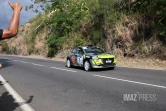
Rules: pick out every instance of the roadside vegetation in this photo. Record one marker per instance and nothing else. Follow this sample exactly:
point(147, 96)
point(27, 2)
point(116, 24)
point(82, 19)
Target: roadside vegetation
point(132, 28)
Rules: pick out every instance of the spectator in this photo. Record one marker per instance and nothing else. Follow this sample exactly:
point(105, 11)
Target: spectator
point(14, 23)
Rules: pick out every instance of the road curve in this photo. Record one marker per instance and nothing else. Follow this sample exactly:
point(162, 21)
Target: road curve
point(53, 87)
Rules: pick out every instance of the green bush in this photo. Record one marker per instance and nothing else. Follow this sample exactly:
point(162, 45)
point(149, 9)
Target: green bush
point(5, 47)
point(51, 52)
point(79, 41)
point(54, 43)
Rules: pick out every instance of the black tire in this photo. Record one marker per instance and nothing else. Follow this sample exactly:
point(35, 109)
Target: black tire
point(68, 63)
point(87, 66)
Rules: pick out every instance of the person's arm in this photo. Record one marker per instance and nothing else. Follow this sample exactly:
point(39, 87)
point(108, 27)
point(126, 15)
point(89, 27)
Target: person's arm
point(14, 23)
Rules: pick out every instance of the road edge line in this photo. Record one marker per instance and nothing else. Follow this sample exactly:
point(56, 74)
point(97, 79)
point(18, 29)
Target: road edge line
point(129, 81)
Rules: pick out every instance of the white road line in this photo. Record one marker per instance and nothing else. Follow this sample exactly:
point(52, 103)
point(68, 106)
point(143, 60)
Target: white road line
point(164, 87)
point(24, 62)
point(37, 64)
point(15, 60)
point(20, 61)
point(23, 105)
point(4, 57)
point(43, 65)
point(63, 69)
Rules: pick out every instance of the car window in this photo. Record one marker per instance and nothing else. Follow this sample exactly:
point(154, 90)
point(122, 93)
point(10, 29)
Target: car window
point(80, 51)
point(93, 50)
point(74, 50)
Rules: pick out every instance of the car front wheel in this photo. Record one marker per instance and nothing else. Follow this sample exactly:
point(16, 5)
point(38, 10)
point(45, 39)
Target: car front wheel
point(87, 66)
point(68, 63)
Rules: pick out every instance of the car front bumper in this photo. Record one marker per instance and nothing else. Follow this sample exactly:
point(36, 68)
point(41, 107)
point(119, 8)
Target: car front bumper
point(104, 66)
point(100, 63)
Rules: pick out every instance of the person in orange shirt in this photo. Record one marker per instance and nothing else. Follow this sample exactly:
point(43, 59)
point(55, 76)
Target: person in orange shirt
point(14, 23)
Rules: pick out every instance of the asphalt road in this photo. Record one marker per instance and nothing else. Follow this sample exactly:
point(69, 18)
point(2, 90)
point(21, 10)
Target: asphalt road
point(49, 86)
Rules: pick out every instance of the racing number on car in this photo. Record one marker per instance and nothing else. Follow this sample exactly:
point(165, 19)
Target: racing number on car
point(80, 60)
point(73, 59)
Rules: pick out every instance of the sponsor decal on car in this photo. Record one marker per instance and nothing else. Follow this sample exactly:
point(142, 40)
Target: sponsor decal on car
point(73, 59)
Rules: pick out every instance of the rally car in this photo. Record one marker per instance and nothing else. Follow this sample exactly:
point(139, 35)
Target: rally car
point(90, 57)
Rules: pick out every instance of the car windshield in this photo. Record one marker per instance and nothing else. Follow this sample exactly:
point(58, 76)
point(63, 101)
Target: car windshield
point(93, 50)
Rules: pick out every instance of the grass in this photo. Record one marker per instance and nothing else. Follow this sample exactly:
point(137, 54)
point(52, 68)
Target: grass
point(145, 63)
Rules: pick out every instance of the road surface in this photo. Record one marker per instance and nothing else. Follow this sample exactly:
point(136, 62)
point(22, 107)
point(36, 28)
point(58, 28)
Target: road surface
point(47, 85)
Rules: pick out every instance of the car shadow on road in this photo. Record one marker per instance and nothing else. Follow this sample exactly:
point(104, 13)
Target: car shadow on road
point(94, 70)
point(102, 69)
point(7, 102)
point(79, 68)
point(5, 63)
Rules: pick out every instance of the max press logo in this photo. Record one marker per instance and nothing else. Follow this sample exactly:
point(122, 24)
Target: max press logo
point(139, 97)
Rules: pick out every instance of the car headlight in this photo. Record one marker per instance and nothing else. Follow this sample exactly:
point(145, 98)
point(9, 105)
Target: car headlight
point(95, 58)
point(87, 56)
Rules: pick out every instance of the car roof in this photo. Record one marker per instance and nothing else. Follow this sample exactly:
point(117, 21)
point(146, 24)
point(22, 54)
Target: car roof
point(90, 46)
point(86, 46)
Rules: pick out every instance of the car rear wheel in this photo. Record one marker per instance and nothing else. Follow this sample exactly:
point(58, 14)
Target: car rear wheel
point(87, 66)
point(68, 63)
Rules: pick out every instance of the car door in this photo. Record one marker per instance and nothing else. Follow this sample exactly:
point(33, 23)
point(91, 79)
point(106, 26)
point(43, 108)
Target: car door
point(73, 56)
point(79, 56)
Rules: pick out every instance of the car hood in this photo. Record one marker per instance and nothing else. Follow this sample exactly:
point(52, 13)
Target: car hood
point(103, 55)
